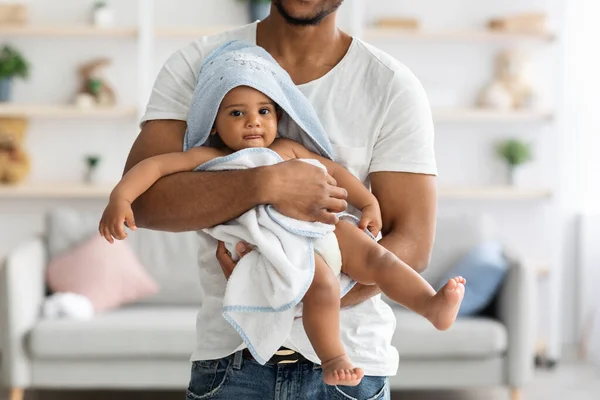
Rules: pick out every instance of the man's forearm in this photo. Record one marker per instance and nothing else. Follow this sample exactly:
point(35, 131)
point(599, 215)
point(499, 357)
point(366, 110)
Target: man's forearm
point(191, 201)
point(358, 294)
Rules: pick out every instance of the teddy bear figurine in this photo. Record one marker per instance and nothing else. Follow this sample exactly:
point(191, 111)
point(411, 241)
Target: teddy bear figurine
point(510, 88)
point(14, 161)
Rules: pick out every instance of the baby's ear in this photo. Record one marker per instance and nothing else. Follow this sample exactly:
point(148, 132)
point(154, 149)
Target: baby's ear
point(213, 131)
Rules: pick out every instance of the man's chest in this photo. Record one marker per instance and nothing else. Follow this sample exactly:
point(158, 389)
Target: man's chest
point(352, 122)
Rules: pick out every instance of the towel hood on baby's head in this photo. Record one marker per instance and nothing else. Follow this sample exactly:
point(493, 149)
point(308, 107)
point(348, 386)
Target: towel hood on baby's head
point(241, 64)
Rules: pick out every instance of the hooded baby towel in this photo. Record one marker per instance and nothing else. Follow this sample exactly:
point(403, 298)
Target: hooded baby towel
point(240, 64)
point(263, 293)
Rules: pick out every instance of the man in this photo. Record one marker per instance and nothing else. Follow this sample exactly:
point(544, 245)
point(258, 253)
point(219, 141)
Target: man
point(377, 117)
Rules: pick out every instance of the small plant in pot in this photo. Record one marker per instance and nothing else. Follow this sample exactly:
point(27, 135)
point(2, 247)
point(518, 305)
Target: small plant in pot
point(515, 153)
point(12, 64)
point(258, 9)
point(91, 164)
point(102, 15)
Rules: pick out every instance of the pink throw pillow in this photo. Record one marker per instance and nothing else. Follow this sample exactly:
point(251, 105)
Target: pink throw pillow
point(110, 275)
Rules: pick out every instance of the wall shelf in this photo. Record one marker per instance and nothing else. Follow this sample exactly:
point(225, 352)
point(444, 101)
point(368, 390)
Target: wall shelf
point(490, 116)
point(65, 111)
point(82, 191)
point(55, 191)
point(62, 31)
point(370, 33)
point(190, 32)
point(455, 36)
point(493, 193)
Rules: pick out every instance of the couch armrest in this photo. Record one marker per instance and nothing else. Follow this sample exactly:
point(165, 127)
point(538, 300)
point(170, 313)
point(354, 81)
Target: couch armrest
point(21, 296)
point(516, 310)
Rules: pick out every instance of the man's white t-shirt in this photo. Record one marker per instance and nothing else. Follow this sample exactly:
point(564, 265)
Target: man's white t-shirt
point(377, 117)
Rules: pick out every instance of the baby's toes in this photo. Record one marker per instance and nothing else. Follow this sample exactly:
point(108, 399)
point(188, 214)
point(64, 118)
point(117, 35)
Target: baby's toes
point(452, 284)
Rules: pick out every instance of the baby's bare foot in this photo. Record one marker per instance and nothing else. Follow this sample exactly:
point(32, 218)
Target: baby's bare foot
point(444, 306)
point(340, 371)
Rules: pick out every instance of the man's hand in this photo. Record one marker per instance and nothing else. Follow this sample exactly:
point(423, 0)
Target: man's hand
point(305, 192)
point(225, 259)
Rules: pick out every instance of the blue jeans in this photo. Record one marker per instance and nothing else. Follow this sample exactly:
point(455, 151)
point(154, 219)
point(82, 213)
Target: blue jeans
point(238, 378)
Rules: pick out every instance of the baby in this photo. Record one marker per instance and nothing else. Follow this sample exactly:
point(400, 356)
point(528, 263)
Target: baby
point(247, 118)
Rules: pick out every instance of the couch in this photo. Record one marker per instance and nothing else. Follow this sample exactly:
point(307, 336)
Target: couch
point(147, 345)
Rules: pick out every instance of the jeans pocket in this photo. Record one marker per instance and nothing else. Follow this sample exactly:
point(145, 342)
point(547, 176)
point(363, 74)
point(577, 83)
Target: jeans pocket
point(208, 378)
point(370, 388)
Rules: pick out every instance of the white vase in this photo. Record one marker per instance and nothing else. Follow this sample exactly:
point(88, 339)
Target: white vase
point(103, 17)
point(90, 176)
point(515, 177)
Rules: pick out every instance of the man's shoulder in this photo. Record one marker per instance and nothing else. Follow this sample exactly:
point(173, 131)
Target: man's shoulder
point(382, 64)
point(196, 51)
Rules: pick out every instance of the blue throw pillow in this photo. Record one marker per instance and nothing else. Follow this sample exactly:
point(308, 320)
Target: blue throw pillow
point(484, 268)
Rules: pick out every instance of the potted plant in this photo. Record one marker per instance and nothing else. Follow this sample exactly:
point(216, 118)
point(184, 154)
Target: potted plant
point(91, 163)
point(102, 15)
point(258, 9)
point(515, 153)
point(12, 63)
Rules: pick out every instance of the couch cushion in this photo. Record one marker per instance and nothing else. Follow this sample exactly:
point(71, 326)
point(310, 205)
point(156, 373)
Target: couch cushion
point(484, 268)
point(109, 275)
point(416, 338)
point(170, 258)
point(455, 235)
point(134, 332)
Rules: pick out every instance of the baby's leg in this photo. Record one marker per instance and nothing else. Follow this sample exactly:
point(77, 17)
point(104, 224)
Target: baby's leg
point(369, 263)
point(321, 319)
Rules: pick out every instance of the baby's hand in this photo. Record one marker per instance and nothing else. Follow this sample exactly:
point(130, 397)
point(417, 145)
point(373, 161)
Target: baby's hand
point(112, 223)
point(371, 219)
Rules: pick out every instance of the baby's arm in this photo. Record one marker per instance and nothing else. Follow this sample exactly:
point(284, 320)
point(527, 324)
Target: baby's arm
point(140, 178)
point(144, 174)
point(358, 195)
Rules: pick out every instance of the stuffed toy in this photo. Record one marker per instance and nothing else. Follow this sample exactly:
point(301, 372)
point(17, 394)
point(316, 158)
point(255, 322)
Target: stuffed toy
point(14, 161)
point(94, 90)
point(510, 88)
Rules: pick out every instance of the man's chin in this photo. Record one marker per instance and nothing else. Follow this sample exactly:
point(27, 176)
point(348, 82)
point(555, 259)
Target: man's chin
point(303, 13)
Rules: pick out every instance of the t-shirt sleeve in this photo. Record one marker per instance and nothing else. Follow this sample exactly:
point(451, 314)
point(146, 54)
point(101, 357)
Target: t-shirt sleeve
point(174, 86)
point(406, 140)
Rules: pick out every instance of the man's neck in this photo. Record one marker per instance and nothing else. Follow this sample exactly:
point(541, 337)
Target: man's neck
point(298, 46)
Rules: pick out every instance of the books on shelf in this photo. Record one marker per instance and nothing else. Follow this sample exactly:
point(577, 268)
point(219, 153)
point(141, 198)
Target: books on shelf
point(473, 35)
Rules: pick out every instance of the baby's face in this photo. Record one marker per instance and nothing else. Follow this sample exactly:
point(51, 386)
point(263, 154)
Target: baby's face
point(246, 118)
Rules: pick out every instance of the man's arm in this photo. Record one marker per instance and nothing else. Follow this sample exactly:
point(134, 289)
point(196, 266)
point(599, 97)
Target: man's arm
point(190, 201)
point(408, 206)
point(187, 201)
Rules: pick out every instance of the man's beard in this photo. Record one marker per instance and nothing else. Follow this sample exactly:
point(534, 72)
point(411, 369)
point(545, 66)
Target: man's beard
point(306, 21)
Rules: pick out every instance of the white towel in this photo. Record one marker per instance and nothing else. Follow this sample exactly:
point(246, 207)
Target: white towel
point(267, 285)
point(68, 306)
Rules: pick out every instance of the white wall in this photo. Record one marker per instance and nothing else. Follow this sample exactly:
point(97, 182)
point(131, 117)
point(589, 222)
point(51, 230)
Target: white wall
point(452, 74)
